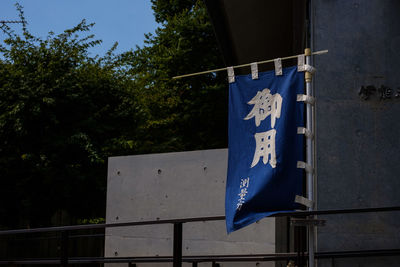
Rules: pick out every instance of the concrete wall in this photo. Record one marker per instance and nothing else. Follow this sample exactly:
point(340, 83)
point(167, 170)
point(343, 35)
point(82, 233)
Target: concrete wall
point(176, 185)
point(358, 140)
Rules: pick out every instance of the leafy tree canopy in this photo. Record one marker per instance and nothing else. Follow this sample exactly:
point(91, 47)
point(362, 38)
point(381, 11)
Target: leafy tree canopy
point(63, 112)
point(184, 114)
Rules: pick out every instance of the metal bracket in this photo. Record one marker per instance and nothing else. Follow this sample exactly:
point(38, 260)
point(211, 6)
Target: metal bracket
point(307, 222)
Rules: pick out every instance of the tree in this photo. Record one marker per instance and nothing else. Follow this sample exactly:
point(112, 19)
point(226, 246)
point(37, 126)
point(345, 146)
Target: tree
point(62, 113)
point(184, 114)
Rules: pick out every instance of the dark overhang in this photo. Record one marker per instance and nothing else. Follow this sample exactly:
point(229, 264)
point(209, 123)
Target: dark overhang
point(256, 30)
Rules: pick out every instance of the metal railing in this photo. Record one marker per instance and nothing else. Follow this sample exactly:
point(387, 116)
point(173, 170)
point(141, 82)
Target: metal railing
point(177, 258)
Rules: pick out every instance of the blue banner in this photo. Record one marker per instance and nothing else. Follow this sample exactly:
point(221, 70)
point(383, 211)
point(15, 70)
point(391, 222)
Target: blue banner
point(264, 146)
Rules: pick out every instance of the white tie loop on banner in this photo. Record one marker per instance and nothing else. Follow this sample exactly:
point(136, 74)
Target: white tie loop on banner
point(231, 75)
point(309, 68)
point(304, 201)
point(278, 66)
point(306, 99)
point(254, 70)
point(302, 66)
point(301, 62)
point(305, 131)
point(307, 167)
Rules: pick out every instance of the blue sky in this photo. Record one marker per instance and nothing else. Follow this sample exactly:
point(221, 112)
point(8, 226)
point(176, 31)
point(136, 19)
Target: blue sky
point(124, 21)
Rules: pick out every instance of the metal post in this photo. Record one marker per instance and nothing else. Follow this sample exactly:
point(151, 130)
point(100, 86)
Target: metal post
point(309, 155)
point(64, 248)
point(177, 245)
point(298, 242)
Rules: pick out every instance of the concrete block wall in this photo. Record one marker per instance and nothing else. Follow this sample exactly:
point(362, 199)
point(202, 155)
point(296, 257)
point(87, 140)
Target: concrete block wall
point(171, 186)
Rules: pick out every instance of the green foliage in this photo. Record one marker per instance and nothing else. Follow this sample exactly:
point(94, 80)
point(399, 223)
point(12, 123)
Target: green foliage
point(164, 10)
point(184, 114)
point(63, 112)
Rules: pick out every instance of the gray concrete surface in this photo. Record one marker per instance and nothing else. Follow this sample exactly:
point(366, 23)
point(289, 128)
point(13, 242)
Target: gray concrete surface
point(358, 141)
point(176, 185)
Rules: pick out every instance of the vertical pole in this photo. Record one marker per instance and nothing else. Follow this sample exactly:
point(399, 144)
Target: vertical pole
point(64, 248)
point(309, 155)
point(177, 245)
point(298, 242)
